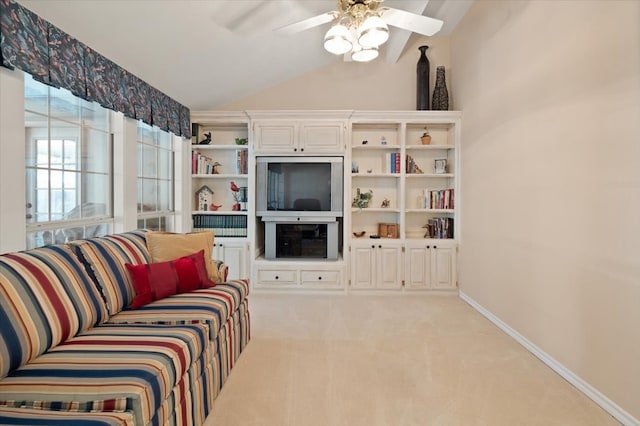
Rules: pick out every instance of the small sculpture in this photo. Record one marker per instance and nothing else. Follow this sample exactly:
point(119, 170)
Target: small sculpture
point(236, 196)
point(214, 207)
point(206, 140)
point(383, 141)
point(362, 198)
point(385, 203)
point(213, 166)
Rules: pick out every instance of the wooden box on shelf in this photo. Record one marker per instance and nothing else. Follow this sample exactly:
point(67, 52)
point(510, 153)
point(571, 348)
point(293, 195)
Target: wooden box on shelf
point(388, 230)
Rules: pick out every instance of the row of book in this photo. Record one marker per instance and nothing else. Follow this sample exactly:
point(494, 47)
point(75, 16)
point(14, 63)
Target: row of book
point(222, 225)
point(412, 167)
point(392, 162)
point(439, 199)
point(439, 227)
point(203, 165)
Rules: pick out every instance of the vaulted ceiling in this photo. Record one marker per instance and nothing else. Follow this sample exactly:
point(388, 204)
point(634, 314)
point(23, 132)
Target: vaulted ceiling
point(208, 53)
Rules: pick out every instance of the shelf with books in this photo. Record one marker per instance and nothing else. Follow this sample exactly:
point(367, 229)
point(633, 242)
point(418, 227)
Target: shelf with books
point(219, 169)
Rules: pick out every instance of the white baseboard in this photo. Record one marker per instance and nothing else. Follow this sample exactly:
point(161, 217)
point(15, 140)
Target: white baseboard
point(609, 406)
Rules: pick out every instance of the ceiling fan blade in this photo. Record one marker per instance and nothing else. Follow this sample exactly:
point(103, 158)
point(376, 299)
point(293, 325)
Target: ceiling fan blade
point(306, 24)
point(412, 22)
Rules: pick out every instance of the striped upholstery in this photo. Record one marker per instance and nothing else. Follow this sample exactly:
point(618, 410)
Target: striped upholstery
point(113, 368)
point(46, 297)
point(34, 417)
point(105, 257)
point(213, 306)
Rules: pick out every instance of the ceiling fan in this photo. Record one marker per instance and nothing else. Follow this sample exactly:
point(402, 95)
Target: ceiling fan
point(360, 27)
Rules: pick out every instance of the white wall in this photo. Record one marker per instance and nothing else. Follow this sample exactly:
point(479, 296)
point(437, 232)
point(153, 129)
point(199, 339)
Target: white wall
point(375, 85)
point(550, 94)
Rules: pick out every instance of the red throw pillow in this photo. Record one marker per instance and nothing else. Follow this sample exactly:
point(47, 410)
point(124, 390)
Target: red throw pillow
point(155, 281)
point(201, 266)
point(152, 281)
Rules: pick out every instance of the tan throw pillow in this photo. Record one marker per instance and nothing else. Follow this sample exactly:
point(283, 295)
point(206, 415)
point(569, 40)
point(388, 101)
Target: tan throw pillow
point(165, 246)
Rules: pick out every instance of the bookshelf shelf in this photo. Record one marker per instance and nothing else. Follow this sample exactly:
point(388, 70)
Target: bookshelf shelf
point(220, 166)
point(420, 195)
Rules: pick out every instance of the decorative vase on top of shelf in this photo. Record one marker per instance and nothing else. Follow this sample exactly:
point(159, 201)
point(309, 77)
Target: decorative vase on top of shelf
point(422, 81)
point(440, 100)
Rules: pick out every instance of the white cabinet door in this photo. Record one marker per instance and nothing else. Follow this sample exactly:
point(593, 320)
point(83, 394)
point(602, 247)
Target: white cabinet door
point(276, 137)
point(417, 266)
point(299, 137)
point(389, 262)
point(362, 269)
point(321, 138)
point(234, 255)
point(376, 266)
point(443, 270)
point(430, 265)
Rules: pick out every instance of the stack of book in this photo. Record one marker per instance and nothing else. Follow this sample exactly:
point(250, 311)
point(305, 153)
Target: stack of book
point(202, 165)
point(222, 225)
point(439, 199)
point(242, 159)
point(392, 162)
point(439, 227)
point(412, 167)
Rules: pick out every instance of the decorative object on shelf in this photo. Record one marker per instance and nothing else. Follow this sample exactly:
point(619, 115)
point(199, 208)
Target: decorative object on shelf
point(214, 207)
point(354, 167)
point(359, 234)
point(207, 139)
point(383, 140)
point(215, 167)
point(422, 86)
point(440, 100)
point(385, 203)
point(440, 166)
point(388, 230)
point(369, 170)
point(362, 199)
point(426, 137)
point(235, 191)
point(204, 197)
point(365, 142)
point(242, 141)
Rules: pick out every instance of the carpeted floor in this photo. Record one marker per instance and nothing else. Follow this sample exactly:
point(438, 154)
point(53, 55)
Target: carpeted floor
point(390, 360)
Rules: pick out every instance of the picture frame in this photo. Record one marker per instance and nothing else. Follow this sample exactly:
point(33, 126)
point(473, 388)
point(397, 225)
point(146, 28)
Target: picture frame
point(440, 166)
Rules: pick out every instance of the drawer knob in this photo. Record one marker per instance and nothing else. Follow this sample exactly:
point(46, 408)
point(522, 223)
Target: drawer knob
point(277, 277)
point(319, 278)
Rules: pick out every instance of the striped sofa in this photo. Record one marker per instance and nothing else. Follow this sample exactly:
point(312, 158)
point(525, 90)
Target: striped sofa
point(71, 352)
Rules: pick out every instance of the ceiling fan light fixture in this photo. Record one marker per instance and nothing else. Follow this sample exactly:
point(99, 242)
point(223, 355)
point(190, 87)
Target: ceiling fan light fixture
point(338, 40)
point(365, 54)
point(373, 32)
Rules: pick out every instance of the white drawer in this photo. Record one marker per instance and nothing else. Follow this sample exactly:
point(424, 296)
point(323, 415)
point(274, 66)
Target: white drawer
point(279, 277)
point(320, 278)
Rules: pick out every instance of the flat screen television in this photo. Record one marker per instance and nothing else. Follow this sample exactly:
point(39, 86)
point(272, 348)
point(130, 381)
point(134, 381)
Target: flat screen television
point(299, 186)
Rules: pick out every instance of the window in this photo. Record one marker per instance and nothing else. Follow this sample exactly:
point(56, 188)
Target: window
point(155, 178)
point(68, 166)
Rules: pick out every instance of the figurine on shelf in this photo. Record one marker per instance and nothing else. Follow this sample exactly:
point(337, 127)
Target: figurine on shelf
point(206, 140)
point(204, 197)
point(383, 141)
point(214, 207)
point(362, 199)
point(235, 189)
point(215, 170)
point(385, 203)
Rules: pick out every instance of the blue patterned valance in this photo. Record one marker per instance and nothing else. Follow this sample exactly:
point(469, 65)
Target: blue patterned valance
point(35, 46)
